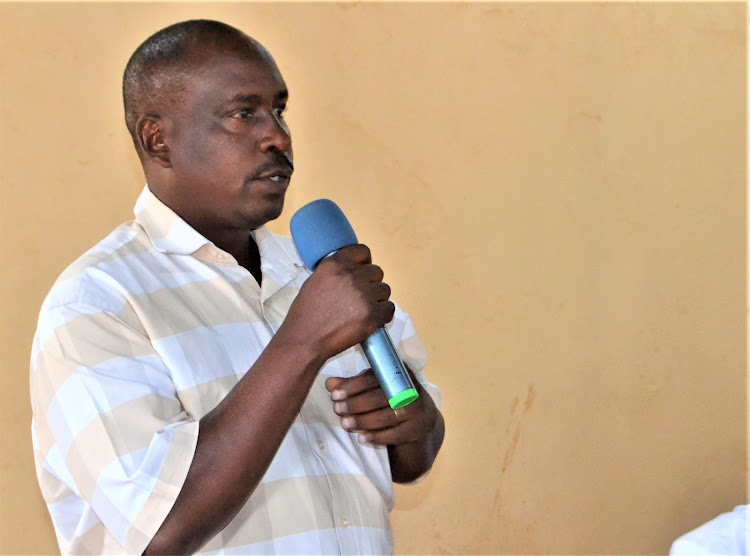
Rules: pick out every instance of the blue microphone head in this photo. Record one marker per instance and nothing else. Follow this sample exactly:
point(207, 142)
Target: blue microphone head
point(318, 229)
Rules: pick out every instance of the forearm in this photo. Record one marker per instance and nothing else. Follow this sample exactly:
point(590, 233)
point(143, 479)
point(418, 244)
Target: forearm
point(342, 303)
point(236, 443)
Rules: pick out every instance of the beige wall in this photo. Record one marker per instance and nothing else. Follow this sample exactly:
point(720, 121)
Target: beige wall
point(556, 193)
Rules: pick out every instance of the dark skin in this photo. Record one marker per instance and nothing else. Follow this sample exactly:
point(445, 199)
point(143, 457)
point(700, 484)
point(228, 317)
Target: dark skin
point(413, 434)
point(226, 144)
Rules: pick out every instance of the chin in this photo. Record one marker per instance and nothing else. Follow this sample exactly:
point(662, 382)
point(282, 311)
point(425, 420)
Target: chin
point(271, 211)
point(276, 208)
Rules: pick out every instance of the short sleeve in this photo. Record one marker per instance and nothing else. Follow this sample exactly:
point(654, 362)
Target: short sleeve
point(112, 442)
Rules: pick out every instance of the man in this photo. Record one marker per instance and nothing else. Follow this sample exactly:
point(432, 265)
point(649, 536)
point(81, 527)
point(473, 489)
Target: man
point(193, 386)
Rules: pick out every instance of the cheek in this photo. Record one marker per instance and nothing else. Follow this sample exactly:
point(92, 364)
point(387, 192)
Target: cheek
point(215, 153)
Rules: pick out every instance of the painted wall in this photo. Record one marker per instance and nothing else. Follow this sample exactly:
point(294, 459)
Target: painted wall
point(555, 191)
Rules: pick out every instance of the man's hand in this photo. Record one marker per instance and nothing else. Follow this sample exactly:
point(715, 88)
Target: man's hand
point(413, 433)
point(341, 304)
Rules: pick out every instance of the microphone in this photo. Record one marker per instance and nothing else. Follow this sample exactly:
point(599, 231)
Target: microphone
point(319, 229)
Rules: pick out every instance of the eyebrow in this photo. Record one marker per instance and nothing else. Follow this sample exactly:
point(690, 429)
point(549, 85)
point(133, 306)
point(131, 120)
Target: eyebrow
point(255, 99)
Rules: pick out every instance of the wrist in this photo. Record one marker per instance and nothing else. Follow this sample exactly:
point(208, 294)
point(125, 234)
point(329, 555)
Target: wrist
point(299, 349)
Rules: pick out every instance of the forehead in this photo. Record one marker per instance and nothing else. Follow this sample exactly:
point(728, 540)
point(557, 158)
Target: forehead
point(220, 75)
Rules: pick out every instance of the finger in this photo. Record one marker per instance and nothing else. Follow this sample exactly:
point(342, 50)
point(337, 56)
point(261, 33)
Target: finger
point(370, 273)
point(332, 382)
point(364, 402)
point(354, 385)
point(387, 310)
point(357, 254)
point(402, 433)
point(380, 419)
point(382, 291)
point(406, 431)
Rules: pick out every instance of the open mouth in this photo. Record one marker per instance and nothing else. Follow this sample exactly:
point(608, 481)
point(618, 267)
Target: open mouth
point(275, 180)
point(275, 175)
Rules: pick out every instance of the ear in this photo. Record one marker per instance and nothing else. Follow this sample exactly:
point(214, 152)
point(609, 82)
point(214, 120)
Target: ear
point(152, 140)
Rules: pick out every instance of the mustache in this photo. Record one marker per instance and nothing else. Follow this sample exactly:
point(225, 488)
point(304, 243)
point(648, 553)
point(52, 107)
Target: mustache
point(278, 160)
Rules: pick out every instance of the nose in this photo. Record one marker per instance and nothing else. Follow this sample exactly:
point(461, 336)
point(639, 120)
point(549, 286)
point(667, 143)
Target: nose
point(275, 134)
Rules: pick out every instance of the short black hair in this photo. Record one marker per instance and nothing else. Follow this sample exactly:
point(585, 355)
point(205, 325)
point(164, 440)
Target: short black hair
point(154, 75)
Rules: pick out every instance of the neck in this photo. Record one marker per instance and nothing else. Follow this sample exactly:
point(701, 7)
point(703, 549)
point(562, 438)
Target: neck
point(253, 261)
point(242, 247)
point(237, 242)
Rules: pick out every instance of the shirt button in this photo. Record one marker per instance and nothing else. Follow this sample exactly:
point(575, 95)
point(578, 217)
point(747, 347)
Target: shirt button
point(345, 522)
point(321, 445)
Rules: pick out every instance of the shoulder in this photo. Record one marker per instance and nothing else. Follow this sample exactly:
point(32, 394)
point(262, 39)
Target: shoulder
point(97, 276)
point(91, 294)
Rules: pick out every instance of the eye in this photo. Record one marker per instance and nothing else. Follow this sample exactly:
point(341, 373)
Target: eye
point(279, 111)
point(244, 114)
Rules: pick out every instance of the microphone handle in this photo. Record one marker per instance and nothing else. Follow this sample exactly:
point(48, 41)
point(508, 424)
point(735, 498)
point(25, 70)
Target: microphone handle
point(393, 377)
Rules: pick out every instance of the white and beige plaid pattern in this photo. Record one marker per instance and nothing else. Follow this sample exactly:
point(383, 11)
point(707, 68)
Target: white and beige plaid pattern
point(139, 339)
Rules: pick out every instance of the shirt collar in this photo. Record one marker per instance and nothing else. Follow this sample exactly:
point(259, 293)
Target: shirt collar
point(279, 261)
point(167, 231)
point(171, 234)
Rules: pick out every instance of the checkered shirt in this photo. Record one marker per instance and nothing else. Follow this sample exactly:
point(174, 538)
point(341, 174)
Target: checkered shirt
point(144, 335)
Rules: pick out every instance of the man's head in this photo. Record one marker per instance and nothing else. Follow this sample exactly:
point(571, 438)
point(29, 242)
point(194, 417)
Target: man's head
point(204, 105)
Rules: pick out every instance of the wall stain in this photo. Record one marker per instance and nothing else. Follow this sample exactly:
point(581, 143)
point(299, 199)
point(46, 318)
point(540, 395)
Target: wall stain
point(594, 116)
point(514, 406)
point(517, 425)
point(511, 448)
point(513, 434)
point(530, 395)
point(496, 500)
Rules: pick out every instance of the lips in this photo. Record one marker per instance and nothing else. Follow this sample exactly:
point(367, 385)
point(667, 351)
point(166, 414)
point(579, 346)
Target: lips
point(277, 169)
point(272, 179)
point(276, 174)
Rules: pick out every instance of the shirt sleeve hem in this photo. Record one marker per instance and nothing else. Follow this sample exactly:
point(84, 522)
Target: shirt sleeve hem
point(168, 486)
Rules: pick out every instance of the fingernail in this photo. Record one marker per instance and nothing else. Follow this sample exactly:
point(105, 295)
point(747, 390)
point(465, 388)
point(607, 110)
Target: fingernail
point(338, 395)
point(339, 407)
point(347, 423)
point(365, 440)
